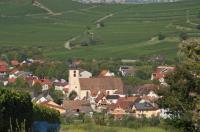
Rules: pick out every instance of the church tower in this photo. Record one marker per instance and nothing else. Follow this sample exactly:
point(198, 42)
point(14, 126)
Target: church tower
point(74, 84)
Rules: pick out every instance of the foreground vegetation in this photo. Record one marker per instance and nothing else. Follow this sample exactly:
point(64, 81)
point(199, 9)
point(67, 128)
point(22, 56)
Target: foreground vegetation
point(17, 112)
point(97, 128)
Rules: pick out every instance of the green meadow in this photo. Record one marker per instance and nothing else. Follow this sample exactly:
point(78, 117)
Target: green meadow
point(130, 32)
point(97, 128)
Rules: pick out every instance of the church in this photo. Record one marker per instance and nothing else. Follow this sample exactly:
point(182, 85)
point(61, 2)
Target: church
point(92, 86)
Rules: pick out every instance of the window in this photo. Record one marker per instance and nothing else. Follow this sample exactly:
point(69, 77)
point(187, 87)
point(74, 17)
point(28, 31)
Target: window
point(74, 73)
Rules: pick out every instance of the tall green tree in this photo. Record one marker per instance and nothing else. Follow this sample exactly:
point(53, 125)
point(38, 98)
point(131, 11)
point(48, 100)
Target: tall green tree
point(182, 96)
point(57, 95)
point(37, 89)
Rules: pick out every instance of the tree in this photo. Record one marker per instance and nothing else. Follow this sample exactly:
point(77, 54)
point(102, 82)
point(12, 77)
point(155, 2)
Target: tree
point(161, 36)
point(198, 26)
point(198, 15)
point(145, 75)
point(182, 97)
point(183, 36)
point(57, 96)
point(37, 89)
point(15, 108)
point(72, 95)
point(99, 118)
point(21, 83)
point(191, 49)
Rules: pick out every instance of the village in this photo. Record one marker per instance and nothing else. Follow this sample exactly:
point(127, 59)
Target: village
point(84, 93)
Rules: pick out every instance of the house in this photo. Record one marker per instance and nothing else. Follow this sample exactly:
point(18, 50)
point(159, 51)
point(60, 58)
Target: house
point(145, 108)
point(42, 98)
point(101, 102)
point(21, 74)
point(127, 71)
point(88, 87)
point(113, 98)
point(106, 73)
point(46, 84)
point(161, 72)
point(13, 71)
point(15, 63)
point(74, 107)
point(32, 80)
point(53, 105)
point(11, 80)
point(122, 107)
point(85, 74)
point(147, 92)
point(62, 86)
point(125, 103)
point(3, 80)
point(3, 67)
point(119, 112)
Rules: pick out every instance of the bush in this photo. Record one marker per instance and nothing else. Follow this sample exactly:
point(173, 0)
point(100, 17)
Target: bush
point(72, 95)
point(183, 36)
point(15, 108)
point(143, 74)
point(43, 113)
point(99, 118)
point(17, 111)
point(198, 27)
point(161, 36)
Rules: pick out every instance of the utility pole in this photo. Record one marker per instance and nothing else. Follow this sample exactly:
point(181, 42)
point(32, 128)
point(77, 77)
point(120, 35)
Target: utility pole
point(187, 16)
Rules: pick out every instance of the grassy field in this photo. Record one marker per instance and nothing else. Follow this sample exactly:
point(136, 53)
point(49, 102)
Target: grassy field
point(96, 128)
point(127, 33)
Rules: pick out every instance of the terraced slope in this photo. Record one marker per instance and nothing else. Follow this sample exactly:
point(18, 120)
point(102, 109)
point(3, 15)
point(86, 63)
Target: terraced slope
point(129, 32)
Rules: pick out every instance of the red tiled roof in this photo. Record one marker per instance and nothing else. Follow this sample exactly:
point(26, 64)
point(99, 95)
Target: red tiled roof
point(145, 89)
point(3, 63)
point(103, 73)
point(101, 84)
point(99, 97)
point(75, 104)
point(54, 105)
point(66, 90)
point(11, 80)
point(45, 81)
point(125, 103)
point(13, 71)
point(15, 63)
point(3, 68)
point(61, 84)
point(161, 72)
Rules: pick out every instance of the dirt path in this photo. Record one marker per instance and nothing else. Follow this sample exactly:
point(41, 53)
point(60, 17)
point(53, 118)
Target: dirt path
point(104, 18)
point(192, 23)
point(67, 43)
point(40, 5)
point(86, 9)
